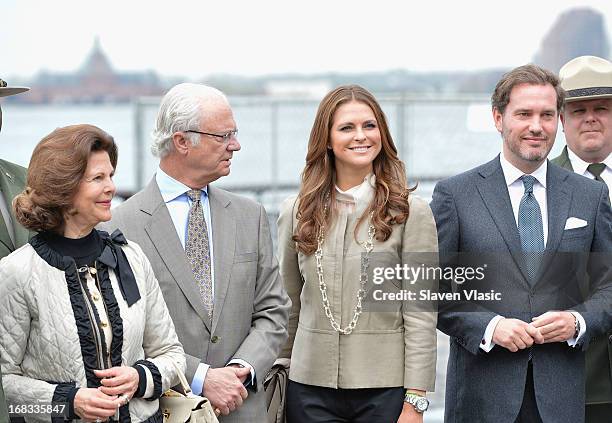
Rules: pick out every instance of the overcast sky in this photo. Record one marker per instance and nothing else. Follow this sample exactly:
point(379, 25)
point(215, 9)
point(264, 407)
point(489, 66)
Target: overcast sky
point(251, 37)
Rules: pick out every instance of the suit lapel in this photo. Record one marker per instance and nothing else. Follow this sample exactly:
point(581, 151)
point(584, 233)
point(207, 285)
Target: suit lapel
point(564, 160)
point(224, 239)
point(162, 234)
point(494, 192)
point(558, 198)
point(6, 243)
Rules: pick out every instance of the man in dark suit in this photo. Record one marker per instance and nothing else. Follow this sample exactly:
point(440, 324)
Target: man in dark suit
point(587, 123)
point(521, 359)
point(211, 252)
point(12, 235)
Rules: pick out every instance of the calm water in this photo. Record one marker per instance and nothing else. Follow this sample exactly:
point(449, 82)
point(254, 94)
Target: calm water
point(434, 139)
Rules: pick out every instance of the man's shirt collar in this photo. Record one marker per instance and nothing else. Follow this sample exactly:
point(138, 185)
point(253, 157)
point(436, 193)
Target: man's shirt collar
point(512, 174)
point(170, 188)
point(580, 166)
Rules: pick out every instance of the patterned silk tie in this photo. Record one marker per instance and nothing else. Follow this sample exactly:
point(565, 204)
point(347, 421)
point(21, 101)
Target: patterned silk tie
point(596, 169)
point(530, 228)
point(198, 251)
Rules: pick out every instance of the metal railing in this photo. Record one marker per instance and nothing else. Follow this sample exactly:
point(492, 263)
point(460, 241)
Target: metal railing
point(423, 128)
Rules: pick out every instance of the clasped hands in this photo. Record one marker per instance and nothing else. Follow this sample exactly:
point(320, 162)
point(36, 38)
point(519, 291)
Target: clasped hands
point(552, 326)
point(98, 404)
point(224, 387)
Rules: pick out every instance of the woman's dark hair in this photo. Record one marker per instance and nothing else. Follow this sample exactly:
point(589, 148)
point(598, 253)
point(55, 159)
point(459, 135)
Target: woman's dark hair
point(56, 169)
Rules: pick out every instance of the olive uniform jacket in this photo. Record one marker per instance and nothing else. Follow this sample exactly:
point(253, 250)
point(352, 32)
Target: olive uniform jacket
point(393, 347)
point(12, 182)
point(599, 354)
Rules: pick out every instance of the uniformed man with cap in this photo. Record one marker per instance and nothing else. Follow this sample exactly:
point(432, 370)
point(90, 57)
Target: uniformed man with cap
point(587, 123)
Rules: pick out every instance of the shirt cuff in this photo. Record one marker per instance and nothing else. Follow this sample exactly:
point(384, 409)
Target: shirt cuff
point(573, 341)
point(197, 384)
point(149, 382)
point(247, 365)
point(487, 343)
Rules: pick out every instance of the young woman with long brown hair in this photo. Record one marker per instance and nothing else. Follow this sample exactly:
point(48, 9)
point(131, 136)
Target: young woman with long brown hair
point(351, 365)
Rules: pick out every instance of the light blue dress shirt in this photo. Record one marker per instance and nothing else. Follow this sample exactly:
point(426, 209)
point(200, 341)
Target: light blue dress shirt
point(178, 203)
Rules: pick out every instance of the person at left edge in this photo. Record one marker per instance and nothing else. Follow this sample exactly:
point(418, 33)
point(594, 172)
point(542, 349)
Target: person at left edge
point(587, 124)
point(12, 235)
point(12, 182)
point(83, 323)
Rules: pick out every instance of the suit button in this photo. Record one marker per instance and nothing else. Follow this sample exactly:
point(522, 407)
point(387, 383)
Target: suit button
point(214, 339)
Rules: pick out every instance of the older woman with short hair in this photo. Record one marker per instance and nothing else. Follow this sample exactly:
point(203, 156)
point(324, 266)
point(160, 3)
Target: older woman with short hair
point(84, 323)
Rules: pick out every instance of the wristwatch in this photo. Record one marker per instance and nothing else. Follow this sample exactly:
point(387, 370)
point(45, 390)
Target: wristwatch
point(420, 403)
point(576, 325)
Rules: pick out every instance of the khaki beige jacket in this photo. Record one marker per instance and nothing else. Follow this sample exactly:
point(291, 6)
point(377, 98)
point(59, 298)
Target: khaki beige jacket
point(392, 348)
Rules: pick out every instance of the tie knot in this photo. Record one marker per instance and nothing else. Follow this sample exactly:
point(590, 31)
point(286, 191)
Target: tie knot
point(194, 195)
point(528, 182)
point(596, 168)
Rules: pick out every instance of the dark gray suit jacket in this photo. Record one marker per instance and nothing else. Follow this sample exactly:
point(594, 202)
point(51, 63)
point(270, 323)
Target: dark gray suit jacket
point(599, 355)
point(251, 306)
point(474, 214)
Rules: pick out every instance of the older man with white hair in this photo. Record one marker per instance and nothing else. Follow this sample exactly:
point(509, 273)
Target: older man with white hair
point(211, 252)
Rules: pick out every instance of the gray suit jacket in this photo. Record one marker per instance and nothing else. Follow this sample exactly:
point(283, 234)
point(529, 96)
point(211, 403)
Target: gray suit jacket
point(250, 307)
point(12, 182)
point(474, 215)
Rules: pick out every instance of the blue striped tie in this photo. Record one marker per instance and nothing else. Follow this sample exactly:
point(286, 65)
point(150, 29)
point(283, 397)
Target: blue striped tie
point(530, 228)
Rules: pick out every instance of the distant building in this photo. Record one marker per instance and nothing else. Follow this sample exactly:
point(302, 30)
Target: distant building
point(577, 32)
point(94, 82)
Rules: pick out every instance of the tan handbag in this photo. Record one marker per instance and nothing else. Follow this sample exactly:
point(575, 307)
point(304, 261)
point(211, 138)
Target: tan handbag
point(275, 386)
point(177, 407)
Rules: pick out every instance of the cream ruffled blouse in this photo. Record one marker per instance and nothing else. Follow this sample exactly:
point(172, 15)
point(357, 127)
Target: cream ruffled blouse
point(358, 197)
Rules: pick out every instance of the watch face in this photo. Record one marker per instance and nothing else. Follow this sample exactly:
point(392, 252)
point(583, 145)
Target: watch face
point(422, 404)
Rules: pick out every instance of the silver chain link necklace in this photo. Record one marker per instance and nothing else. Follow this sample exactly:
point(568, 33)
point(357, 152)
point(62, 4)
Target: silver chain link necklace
point(363, 278)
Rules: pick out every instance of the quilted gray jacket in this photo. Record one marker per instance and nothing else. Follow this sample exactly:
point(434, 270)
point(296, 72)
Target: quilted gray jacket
point(47, 344)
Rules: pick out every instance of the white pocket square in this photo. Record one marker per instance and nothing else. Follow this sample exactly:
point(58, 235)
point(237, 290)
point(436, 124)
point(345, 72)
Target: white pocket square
point(574, 222)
